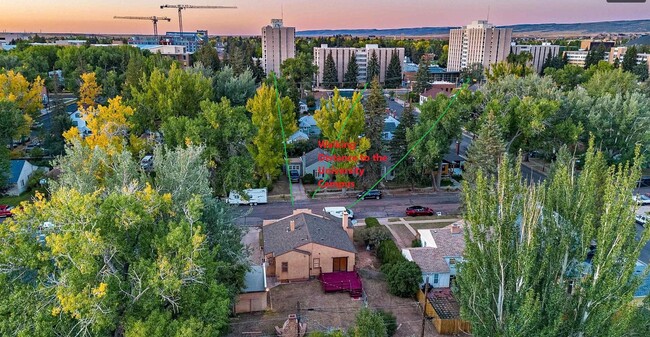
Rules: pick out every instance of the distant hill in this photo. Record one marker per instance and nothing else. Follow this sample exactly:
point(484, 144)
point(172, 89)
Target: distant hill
point(634, 26)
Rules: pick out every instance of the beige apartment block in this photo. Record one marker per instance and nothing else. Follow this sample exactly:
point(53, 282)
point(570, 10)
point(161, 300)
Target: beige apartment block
point(478, 42)
point(278, 44)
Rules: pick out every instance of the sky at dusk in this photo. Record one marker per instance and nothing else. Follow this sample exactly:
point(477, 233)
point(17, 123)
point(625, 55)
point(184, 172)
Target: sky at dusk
point(96, 16)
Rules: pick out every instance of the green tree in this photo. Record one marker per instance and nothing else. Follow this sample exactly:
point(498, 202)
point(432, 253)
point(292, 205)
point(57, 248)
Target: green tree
point(403, 278)
point(368, 323)
point(567, 77)
point(594, 56)
point(330, 74)
point(611, 81)
point(473, 73)
point(433, 146)
point(485, 151)
point(398, 146)
point(372, 69)
point(551, 61)
point(267, 148)
point(342, 119)
point(422, 78)
point(177, 93)
point(554, 259)
point(629, 59)
point(300, 70)
point(237, 89)
point(503, 69)
point(351, 73)
point(375, 110)
point(208, 56)
point(641, 71)
point(394, 72)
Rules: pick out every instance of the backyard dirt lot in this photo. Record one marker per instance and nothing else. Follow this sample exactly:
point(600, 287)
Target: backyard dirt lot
point(323, 311)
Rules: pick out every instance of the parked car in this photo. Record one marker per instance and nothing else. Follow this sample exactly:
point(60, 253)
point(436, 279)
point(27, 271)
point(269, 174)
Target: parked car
point(372, 194)
point(5, 211)
point(418, 210)
point(642, 199)
point(641, 219)
point(338, 211)
point(147, 163)
point(295, 176)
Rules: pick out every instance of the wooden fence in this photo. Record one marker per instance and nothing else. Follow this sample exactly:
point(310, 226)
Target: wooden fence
point(443, 326)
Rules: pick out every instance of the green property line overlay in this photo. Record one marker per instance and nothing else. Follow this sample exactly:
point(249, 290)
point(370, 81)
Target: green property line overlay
point(354, 103)
point(412, 147)
point(284, 139)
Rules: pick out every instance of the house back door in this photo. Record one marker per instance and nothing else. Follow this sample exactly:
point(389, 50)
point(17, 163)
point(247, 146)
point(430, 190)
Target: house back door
point(340, 264)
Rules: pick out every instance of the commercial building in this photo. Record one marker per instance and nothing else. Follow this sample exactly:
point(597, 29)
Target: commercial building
point(278, 44)
point(595, 44)
point(539, 53)
point(341, 58)
point(436, 74)
point(190, 40)
point(619, 53)
point(178, 53)
point(478, 42)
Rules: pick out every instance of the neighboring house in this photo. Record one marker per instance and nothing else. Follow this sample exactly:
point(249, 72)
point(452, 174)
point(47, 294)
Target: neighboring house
point(310, 162)
point(390, 125)
point(79, 122)
point(304, 245)
point(445, 88)
point(294, 164)
point(298, 136)
point(20, 172)
point(644, 289)
point(303, 107)
point(385, 166)
point(254, 296)
point(307, 124)
point(441, 250)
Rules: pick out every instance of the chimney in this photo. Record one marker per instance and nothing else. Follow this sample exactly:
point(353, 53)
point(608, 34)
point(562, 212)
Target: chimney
point(455, 229)
point(292, 225)
point(345, 223)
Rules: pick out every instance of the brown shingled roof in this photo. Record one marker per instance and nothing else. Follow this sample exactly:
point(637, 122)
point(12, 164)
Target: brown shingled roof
point(432, 259)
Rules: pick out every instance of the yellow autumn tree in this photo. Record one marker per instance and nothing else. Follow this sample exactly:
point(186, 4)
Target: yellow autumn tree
point(109, 126)
point(88, 91)
point(14, 87)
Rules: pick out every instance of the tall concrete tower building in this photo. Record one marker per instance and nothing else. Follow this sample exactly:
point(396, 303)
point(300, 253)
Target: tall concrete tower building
point(478, 42)
point(278, 44)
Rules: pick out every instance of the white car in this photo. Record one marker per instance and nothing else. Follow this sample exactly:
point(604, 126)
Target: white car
point(641, 219)
point(641, 199)
point(338, 212)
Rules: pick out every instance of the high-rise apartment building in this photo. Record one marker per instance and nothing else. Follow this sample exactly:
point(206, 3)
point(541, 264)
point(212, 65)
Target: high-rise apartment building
point(539, 52)
point(341, 58)
point(478, 42)
point(278, 44)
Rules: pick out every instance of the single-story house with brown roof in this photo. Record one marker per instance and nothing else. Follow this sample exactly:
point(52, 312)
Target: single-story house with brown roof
point(441, 250)
point(304, 245)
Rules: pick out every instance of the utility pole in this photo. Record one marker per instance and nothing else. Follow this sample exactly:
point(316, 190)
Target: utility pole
point(424, 306)
point(298, 320)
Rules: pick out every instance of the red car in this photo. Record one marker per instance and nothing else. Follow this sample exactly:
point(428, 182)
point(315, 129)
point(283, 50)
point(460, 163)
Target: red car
point(418, 210)
point(5, 211)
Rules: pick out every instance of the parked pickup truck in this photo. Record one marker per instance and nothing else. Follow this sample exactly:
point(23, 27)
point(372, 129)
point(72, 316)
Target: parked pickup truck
point(251, 196)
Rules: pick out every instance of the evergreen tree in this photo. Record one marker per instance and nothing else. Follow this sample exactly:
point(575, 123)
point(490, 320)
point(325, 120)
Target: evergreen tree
point(330, 74)
point(375, 110)
point(405, 172)
point(422, 78)
point(208, 56)
point(641, 71)
point(485, 152)
point(594, 56)
point(373, 67)
point(555, 259)
point(629, 59)
point(352, 72)
point(394, 72)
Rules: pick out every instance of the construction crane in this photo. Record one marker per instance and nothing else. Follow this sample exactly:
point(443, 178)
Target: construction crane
point(181, 7)
point(155, 20)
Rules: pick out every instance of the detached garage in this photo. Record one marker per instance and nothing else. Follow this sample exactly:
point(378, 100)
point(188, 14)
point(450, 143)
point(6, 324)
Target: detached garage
point(254, 295)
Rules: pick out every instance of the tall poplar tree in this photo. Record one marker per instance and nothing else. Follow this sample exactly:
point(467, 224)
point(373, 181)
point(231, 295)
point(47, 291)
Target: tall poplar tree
point(398, 146)
point(373, 67)
point(422, 78)
point(486, 150)
point(267, 148)
point(394, 72)
point(351, 73)
point(629, 59)
point(554, 259)
point(375, 110)
point(330, 74)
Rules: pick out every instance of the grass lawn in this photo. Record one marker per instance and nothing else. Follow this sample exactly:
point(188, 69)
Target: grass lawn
point(430, 217)
point(14, 200)
point(431, 225)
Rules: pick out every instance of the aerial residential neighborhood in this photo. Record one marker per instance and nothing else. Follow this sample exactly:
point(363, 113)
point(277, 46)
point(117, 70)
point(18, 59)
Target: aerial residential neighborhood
point(325, 169)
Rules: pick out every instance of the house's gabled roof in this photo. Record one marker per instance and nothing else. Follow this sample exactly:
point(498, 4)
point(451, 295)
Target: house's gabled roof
point(443, 244)
point(307, 121)
point(390, 124)
point(309, 228)
point(298, 136)
point(311, 157)
point(16, 168)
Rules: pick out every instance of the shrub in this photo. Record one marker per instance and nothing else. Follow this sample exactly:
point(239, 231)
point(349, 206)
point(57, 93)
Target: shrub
point(403, 278)
point(308, 179)
point(372, 236)
point(372, 222)
point(388, 252)
point(416, 243)
point(389, 321)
